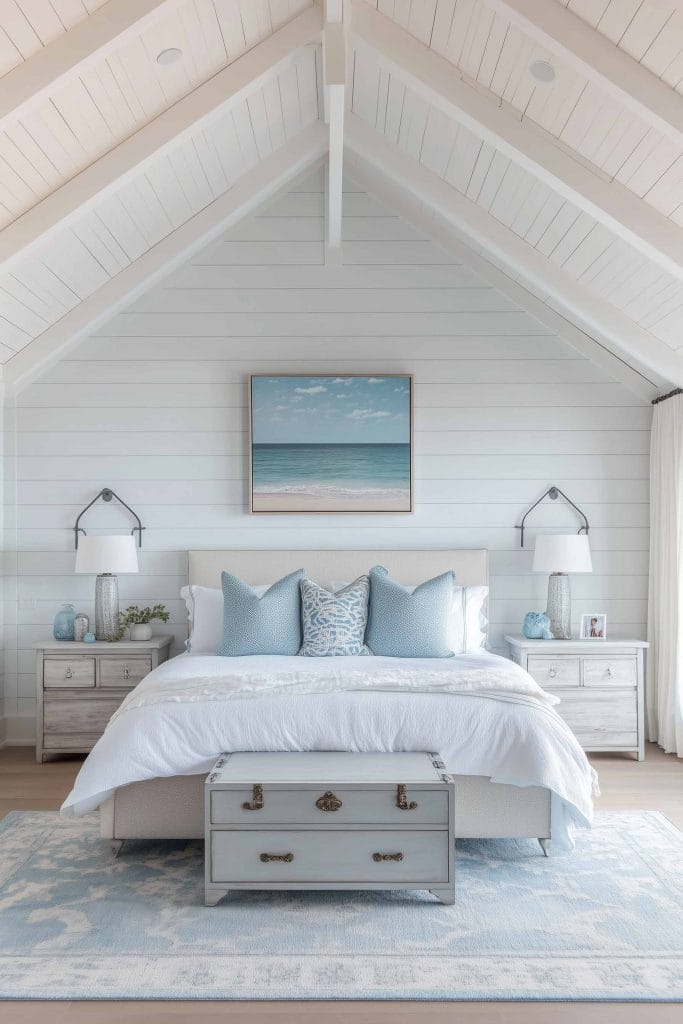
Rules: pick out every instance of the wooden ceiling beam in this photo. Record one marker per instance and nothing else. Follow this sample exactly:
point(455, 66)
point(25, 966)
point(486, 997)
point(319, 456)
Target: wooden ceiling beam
point(599, 330)
point(334, 57)
point(226, 89)
point(439, 83)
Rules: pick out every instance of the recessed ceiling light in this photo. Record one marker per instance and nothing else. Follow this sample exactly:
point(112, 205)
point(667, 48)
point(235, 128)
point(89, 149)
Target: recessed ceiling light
point(542, 71)
point(169, 56)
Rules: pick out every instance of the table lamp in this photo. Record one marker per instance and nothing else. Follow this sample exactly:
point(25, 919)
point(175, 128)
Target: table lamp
point(106, 556)
point(560, 554)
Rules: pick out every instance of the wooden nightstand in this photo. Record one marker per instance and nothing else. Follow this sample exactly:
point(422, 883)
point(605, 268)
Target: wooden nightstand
point(80, 686)
point(600, 683)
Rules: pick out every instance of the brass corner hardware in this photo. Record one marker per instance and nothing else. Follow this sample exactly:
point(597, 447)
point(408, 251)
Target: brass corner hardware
point(402, 800)
point(378, 857)
point(328, 802)
point(256, 803)
point(286, 858)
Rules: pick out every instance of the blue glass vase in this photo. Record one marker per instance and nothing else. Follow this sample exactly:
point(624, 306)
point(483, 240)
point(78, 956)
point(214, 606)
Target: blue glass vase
point(63, 628)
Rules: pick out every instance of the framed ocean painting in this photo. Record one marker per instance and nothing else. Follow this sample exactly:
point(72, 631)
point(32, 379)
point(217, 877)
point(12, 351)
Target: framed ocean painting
point(331, 442)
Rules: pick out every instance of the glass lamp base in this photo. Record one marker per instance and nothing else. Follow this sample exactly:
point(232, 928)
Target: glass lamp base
point(106, 607)
point(559, 609)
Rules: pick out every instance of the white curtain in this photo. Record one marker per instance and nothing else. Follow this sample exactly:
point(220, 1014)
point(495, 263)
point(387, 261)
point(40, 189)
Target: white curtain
point(665, 613)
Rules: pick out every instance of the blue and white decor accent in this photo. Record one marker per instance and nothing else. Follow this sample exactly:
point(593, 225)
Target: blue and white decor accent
point(601, 923)
point(254, 623)
point(410, 622)
point(334, 623)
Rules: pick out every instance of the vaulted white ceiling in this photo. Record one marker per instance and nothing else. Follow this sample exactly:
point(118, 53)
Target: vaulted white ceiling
point(114, 167)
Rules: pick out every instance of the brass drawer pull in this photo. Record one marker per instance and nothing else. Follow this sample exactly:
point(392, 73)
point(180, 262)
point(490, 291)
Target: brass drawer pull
point(328, 802)
point(256, 803)
point(69, 673)
point(379, 857)
point(402, 800)
point(287, 858)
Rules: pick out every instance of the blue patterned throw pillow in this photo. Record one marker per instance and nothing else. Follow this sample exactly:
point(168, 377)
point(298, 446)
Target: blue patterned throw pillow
point(334, 624)
point(409, 623)
point(269, 624)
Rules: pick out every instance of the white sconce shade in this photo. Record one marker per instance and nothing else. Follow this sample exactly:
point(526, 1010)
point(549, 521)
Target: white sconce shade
point(98, 555)
point(559, 552)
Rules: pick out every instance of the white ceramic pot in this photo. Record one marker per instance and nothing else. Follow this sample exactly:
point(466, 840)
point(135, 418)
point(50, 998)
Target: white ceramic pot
point(141, 631)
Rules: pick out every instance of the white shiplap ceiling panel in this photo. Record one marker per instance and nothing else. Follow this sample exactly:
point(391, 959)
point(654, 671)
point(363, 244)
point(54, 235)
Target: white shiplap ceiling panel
point(114, 97)
point(75, 261)
point(488, 50)
point(553, 226)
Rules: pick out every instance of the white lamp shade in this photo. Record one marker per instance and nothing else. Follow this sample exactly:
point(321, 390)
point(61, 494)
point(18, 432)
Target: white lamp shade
point(559, 552)
point(106, 554)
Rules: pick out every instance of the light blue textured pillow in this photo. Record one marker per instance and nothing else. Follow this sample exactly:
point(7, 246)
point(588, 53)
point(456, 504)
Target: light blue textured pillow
point(409, 623)
point(270, 624)
point(334, 624)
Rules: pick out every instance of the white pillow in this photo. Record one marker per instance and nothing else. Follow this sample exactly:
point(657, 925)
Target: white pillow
point(205, 612)
point(468, 623)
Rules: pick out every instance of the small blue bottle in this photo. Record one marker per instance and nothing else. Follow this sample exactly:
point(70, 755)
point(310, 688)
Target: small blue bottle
point(63, 628)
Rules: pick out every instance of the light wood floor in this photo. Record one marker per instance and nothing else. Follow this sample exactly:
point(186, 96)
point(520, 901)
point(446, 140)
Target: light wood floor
point(655, 784)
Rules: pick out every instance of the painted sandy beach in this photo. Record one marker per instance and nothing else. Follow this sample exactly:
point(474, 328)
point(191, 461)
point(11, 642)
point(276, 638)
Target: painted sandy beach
point(331, 444)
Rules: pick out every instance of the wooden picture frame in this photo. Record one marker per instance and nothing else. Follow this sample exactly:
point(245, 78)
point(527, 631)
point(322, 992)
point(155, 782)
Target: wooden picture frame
point(331, 443)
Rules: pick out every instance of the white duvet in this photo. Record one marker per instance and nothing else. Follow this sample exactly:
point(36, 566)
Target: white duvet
point(484, 714)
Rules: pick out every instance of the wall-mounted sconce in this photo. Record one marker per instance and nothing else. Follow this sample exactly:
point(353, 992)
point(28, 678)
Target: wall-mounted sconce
point(553, 493)
point(106, 494)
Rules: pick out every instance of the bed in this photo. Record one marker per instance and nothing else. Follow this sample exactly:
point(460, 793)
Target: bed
point(519, 770)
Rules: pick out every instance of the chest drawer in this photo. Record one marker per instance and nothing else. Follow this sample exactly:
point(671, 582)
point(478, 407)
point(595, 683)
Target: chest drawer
point(329, 856)
point(68, 672)
point(600, 719)
point(610, 672)
point(88, 716)
point(549, 672)
point(300, 807)
point(124, 672)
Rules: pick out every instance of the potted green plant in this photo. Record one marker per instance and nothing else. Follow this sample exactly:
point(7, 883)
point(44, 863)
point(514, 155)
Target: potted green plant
point(139, 620)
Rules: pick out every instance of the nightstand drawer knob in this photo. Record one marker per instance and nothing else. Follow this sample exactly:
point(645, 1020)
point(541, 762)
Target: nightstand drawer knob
point(552, 671)
point(126, 673)
point(609, 671)
point(69, 673)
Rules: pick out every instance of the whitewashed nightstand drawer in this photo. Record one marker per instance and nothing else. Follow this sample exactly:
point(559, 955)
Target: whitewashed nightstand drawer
point(123, 672)
point(329, 807)
point(78, 716)
point(68, 672)
point(610, 672)
point(606, 719)
point(555, 671)
point(329, 856)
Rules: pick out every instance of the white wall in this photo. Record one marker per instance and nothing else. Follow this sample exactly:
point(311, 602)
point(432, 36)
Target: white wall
point(155, 407)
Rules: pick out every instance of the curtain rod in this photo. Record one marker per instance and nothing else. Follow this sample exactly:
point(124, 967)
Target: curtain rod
point(670, 394)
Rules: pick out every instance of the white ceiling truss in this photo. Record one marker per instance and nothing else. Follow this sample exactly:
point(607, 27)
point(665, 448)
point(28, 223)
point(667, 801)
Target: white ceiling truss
point(567, 196)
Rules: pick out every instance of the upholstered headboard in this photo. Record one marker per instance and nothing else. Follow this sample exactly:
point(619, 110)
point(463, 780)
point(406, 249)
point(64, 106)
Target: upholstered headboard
point(406, 566)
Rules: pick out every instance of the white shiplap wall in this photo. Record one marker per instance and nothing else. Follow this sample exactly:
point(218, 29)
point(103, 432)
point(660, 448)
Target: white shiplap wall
point(155, 406)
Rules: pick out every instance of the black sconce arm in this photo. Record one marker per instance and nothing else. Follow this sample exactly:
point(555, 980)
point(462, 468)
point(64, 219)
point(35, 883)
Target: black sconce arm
point(553, 493)
point(106, 494)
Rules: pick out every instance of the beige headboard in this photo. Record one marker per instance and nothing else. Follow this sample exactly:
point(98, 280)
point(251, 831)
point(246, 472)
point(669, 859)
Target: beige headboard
point(406, 566)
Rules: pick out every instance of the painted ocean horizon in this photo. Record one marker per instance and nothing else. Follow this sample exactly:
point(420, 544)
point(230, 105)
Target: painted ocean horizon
point(331, 477)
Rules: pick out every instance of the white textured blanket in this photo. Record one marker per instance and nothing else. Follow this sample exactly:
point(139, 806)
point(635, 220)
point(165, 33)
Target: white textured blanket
point(483, 713)
point(209, 678)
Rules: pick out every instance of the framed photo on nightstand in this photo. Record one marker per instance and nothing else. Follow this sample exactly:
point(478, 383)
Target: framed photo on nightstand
point(594, 626)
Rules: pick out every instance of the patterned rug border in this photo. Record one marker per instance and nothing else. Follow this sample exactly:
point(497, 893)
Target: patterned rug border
point(346, 976)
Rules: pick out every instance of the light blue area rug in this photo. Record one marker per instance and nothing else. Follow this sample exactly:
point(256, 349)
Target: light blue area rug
point(604, 922)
